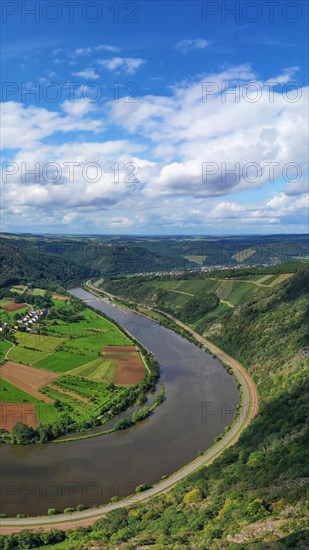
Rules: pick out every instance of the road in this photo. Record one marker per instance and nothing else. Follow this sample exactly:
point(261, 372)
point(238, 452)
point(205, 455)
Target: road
point(248, 410)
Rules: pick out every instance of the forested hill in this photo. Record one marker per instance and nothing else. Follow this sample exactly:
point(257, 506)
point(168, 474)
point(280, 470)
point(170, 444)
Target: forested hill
point(101, 255)
point(30, 266)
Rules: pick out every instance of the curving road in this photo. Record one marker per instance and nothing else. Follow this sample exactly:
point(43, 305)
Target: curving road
point(248, 410)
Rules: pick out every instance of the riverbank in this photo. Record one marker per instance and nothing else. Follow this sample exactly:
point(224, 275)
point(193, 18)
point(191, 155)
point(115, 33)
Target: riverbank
point(248, 409)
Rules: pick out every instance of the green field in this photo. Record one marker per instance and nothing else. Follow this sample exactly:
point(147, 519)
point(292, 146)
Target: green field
point(195, 258)
point(11, 394)
point(24, 355)
point(224, 290)
point(9, 315)
point(244, 254)
point(5, 301)
point(4, 348)
point(100, 370)
point(38, 341)
point(78, 396)
point(62, 361)
point(72, 340)
point(38, 292)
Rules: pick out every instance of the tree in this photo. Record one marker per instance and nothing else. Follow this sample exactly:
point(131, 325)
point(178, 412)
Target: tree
point(192, 496)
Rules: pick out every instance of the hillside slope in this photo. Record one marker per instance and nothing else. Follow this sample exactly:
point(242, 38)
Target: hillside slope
point(34, 266)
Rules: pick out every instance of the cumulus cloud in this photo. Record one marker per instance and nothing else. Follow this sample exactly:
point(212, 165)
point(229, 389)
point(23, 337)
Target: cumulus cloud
point(126, 64)
point(88, 74)
point(24, 127)
point(184, 156)
point(106, 48)
point(188, 45)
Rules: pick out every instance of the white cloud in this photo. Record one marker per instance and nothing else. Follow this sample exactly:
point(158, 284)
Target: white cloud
point(81, 52)
point(188, 45)
point(179, 133)
point(24, 127)
point(106, 48)
point(122, 221)
point(126, 64)
point(88, 74)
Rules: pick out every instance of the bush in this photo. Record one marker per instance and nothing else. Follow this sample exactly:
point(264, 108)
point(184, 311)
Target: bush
point(192, 496)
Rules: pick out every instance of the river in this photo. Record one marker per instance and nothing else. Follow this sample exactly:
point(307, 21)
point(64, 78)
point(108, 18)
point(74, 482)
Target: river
point(201, 398)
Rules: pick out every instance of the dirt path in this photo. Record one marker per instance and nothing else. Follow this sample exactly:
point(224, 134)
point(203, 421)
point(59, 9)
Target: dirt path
point(8, 351)
point(179, 292)
point(249, 409)
point(227, 303)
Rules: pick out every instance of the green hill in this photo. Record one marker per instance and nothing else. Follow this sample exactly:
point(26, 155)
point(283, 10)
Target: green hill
point(33, 266)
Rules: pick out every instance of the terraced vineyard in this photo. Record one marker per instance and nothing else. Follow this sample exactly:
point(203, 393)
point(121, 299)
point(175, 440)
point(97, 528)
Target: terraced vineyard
point(175, 295)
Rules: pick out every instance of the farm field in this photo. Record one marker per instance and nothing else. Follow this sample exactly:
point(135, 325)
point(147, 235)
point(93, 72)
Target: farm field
point(28, 379)
point(197, 259)
point(38, 341)
point(129, 367)
point(61, 369)
point(11, 413)
point(12, 394)
point(244, 254)
point(12, 306)
point(4, 348)
point(62, 361)
point(100, 370)
point(9, 314)
point(24, 355)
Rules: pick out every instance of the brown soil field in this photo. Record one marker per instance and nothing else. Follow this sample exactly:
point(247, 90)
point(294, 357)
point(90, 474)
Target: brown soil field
point(28, 378)
point(20, 287)
point(57, 296)
point(11, 413)
point(14, 307)
point(129, 372)
point(118, 349)
point(129, 366)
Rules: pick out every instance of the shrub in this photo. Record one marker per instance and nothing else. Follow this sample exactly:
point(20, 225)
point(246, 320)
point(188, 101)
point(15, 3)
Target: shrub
point(192, 496)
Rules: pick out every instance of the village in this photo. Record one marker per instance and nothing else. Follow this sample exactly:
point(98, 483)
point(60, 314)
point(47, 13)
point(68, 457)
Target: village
point(26, 323)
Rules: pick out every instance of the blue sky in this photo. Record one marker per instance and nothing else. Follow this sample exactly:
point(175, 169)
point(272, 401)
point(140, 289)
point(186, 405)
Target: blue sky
point(155, 117)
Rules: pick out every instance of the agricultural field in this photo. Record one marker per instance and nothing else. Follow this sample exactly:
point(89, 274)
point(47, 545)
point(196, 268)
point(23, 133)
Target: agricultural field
point(99, 370)
point(8, 309)
point(24, 355)
point(38, 341)
point(62, 361)
point(25, 378)
point(62, 369)
point(12, 394)
point(11, 413)
point(244, 254)
point(4, 348)
point(197, 259)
